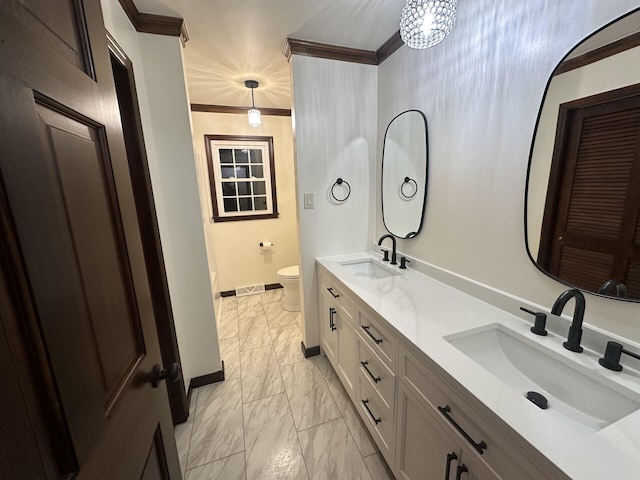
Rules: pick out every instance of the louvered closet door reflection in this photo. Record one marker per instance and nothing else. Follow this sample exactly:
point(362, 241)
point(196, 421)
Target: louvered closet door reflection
point(596, 232)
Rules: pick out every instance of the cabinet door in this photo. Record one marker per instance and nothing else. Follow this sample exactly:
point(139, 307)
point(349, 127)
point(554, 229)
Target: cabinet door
point(328, 329)
point(347, 351)
point(472, 468)
point(426, 451)
point(423, 450)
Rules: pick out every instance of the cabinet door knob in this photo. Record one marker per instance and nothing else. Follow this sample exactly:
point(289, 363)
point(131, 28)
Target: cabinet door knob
point(450, 458)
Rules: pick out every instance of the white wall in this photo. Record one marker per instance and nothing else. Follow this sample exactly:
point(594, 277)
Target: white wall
point(240, 260)
point(481, 90)
point(164, 108)
point(334, 130)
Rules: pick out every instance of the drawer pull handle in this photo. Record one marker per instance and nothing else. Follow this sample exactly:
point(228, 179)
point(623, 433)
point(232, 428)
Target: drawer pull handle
point(479, 446)
point(374, 378)
point(461, 469)
point(334, 295)
point(450, 458)
point(373, 417)
point(366, 329)
point(332, 323)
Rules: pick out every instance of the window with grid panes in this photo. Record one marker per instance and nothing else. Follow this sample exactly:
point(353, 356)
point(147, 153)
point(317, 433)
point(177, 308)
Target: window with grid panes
point(242, 177)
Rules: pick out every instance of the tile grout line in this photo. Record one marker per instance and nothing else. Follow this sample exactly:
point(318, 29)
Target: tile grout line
point(214, 461)
point(286, 394)
point(358, 418)
point(244, 446)
point(244, 440)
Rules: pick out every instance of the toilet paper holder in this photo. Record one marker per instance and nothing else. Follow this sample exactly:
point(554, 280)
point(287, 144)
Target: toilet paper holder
point(267, 244)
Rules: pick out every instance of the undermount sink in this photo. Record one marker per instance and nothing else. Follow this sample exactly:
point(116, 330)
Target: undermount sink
point(575, 395)
point(368, 268)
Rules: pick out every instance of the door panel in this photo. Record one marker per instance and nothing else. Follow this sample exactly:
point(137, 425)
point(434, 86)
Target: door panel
point(155, 468)
point(81, 164)
point(61, 25)
point(66, 185)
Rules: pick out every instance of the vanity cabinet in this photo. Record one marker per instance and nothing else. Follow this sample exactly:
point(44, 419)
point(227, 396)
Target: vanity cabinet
point(487, 444)
point(337, 331)
point(426, 451)
point(422, 420)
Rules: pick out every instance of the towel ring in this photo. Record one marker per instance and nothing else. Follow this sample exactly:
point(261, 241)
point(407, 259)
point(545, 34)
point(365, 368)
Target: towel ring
point(408, 180)
point(340, 181)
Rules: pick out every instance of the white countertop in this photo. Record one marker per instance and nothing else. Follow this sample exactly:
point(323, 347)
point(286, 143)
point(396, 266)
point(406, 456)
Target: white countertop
point(424, 310)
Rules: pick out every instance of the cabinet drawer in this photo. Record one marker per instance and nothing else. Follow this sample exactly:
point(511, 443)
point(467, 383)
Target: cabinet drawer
point(470, 425)
point(377, 416)
point(378, 337)
point(338, 293)
point(378, 374)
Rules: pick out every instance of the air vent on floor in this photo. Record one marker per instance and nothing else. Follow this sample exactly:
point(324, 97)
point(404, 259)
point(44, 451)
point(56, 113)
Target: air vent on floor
point(249, 290)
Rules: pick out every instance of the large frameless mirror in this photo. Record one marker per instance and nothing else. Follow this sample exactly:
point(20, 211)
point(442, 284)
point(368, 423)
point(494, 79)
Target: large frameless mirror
point(582, 213)
point(404, 174)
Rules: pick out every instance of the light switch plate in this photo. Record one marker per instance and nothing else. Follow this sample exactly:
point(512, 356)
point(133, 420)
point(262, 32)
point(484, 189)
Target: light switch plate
point(308, 201)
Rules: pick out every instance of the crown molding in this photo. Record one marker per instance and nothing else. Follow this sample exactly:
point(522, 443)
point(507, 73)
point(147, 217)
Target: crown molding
point(157, 24)
point(294, 46)
point(202, 107)
point(593, 56)
point(389, 47)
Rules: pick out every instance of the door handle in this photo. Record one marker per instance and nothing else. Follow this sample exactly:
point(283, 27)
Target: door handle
point(479, 446)
point(171, 374)
point(332, 324)
point(450, 458)
point(373, 377)
point(373, 417)
point(371, 335)
point(461, 469)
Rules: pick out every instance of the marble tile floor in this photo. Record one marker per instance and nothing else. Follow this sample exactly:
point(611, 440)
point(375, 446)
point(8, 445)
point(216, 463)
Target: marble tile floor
point(277, 415)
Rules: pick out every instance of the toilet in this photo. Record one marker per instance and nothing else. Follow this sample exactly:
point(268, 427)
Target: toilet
point(289, 278)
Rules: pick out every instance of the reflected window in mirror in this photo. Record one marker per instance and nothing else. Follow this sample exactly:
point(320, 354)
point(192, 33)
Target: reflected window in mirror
point(405, 165)
point(583, 184)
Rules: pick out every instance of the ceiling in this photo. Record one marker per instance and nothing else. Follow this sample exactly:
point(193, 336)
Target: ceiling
point(231, 41)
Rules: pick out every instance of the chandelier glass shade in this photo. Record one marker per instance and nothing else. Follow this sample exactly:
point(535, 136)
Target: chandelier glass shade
point(255, 119)
point(425, 23)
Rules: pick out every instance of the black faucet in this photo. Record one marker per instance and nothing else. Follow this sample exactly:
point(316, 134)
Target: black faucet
point(393, 251)
point(575, 331)
point(608, 287)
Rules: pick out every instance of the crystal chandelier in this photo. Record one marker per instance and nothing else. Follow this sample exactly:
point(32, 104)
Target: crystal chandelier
point(425, 23)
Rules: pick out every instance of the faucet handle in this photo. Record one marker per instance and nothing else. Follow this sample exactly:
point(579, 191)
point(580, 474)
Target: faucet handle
point(386, 255)
point(539, 323)
point(612, 354)
point(403, 262)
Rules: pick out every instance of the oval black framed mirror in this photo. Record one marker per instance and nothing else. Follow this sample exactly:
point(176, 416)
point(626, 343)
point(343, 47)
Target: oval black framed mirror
point(582, 200)
point(405, 166)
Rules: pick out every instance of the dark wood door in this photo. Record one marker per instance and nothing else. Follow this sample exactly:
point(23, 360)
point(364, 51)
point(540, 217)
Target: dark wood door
point(73, 270)
point(591, 226)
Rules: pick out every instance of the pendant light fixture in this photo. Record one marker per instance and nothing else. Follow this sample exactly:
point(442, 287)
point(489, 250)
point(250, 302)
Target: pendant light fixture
point(255, 119)
point(425, 23)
